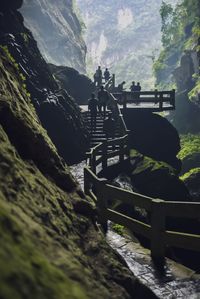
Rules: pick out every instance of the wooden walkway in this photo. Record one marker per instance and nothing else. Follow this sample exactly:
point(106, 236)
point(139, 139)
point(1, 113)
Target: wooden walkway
point(158, 209)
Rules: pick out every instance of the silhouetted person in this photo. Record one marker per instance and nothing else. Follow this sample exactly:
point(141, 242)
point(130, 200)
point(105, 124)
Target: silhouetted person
point(109, 126)
point(98, 77)
point(133, 86)
point(103, 98)
point(106, 75)
point(137, 90)
point(92, 107)
point(120, 87)
point(138, 87)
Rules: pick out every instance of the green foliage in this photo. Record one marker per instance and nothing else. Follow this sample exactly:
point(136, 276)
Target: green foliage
point(180, 30)
point(194, 93)
point(119, 229)
point(190, 145)
point(190, 173)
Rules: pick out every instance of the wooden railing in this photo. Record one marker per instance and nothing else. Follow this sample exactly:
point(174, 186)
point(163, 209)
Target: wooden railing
point(159, 210)
point(100, 154)
point(153, 97)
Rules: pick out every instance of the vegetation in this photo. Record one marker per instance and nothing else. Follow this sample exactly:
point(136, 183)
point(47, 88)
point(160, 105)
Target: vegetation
point(119, 229)
point(180, 31)
point(190, 152)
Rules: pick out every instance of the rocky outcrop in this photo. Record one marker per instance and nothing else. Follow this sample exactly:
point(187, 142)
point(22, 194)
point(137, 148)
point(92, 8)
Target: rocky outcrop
point(50, 245)
point(191, 179)
point(58, 113)
point(79, 86)
point(153, 136)
point(57, 30)
point(183, 74)
point(156, 179)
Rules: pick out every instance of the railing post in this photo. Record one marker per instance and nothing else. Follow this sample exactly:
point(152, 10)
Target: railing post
point(156, 96)
point(157, 229)
point(93, 162)
point(121, 151)
point(173, 98)
point(124, 100)
point(104, 154)
point(86, 181)
point(161, 101)
point(101, 205)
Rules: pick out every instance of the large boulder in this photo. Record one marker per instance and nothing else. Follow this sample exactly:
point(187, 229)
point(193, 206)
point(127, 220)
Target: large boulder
point(156, 179)
point(79, 86)
point(192, 181)
point(153, 136)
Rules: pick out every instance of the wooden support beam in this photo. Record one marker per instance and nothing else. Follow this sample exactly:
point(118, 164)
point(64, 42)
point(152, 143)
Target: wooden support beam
point(157, 230)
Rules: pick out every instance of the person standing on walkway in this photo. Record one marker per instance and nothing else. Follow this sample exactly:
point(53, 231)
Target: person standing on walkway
point(98, 77)
point(103, 98)
point(92, 107)
point(106, 75)
point(133, 86)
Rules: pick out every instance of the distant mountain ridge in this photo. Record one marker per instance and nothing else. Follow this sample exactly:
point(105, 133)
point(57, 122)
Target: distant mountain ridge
point(123, 35)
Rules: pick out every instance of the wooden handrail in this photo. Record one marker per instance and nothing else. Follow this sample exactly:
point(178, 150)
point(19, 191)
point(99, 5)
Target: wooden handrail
point(154, 97)
point(157, 208)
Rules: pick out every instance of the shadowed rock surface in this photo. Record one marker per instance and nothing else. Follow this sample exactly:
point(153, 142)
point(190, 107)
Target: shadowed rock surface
point(79, 86)
point(153, 136)
point(49, 247)
point(59, 114)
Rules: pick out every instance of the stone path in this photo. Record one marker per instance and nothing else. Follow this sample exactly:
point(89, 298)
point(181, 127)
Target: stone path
point(177, 281)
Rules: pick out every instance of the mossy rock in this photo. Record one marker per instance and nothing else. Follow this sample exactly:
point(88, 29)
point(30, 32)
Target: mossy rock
point(10, 4)
point(190, 152)
point(156, 178)
point(192, 181)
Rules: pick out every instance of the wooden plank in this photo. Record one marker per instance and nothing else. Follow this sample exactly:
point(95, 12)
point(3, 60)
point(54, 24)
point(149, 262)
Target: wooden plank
point(133, 224)
point(182, 209)
point(182, 240)
point(128, 197)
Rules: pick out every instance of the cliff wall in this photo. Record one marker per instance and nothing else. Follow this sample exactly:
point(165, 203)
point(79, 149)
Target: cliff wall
point(58, 31)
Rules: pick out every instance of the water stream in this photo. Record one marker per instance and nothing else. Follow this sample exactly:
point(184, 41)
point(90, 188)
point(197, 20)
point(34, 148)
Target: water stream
point(176, 281)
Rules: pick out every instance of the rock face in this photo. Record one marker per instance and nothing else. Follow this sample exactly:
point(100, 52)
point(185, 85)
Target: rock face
point(156, 179)
point(153, 136)
point(50, 247)
point(58, 113)
point(79, 86)
point(57, 30)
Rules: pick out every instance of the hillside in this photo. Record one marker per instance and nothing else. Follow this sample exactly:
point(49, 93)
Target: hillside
point(123, 35)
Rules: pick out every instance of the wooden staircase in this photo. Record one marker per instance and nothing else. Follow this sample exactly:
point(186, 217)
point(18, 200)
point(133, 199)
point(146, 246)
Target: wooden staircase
point(97, 136)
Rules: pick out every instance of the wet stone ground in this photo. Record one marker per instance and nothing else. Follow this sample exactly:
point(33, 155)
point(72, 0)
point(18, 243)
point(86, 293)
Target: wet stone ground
point(176, 281)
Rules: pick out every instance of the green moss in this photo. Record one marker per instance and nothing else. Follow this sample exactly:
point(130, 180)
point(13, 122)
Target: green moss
point(25, 272)
point(190, 145)
point(119, 229)
point(193, 94)
point(190, 174)
point(149, 164)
